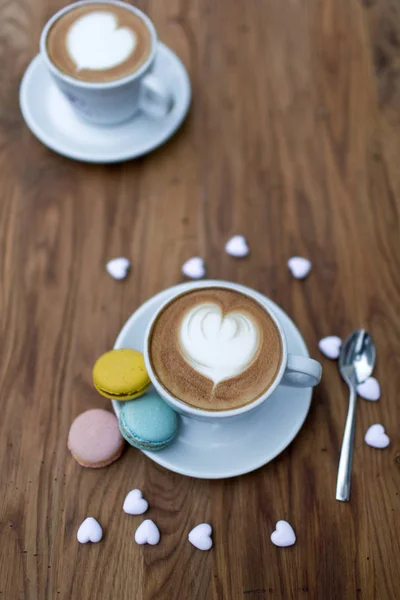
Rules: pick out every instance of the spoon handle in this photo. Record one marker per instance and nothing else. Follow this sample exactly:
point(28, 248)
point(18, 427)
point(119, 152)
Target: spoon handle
point(346, 454)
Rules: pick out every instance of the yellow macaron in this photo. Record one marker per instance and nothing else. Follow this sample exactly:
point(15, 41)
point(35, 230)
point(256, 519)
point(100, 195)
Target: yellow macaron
point(121, 374)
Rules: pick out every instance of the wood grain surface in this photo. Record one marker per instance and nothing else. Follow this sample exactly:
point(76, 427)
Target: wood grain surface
point(292, 140)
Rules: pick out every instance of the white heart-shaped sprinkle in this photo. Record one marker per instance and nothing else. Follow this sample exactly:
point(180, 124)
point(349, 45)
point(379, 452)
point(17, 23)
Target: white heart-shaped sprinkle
point(118, 268)
point(135, 504)
point(200, 536)
point(299, 267)
point(147, 533)
point(330, 346)
point(194, 268)
point(89, 531)
point(283, 535)
point(370, 389)
point(237, 246)
point(376, 436)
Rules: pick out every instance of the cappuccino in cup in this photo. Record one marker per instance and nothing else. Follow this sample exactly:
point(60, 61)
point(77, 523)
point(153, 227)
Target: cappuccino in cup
point(99, 42)
point(215, 349)
point(100, 54)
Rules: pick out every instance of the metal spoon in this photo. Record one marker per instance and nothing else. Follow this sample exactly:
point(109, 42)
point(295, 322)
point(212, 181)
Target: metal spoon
point(356, 363)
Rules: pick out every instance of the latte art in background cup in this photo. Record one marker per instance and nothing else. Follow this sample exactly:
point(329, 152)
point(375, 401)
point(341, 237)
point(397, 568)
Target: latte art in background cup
point(99, 42)
point(217, 350)
point(100, 54)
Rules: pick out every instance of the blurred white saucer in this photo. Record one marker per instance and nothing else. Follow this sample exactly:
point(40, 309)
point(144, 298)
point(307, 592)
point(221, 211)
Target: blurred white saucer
point(52, 120)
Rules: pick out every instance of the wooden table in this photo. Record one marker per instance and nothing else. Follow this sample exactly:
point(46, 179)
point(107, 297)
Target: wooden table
point(292, 140)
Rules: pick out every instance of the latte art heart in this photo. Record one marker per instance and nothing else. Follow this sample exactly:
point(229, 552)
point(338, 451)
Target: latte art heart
point(218, 346)
point(95, 42)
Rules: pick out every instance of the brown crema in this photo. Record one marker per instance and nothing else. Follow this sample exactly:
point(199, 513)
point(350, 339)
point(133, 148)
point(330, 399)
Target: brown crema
point(181, 380)
point(57, 43)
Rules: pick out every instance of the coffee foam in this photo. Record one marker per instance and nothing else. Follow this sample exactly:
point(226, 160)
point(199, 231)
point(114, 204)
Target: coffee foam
point(215, 349)
point(99, 42)
point(216, 345)
point(96, 42)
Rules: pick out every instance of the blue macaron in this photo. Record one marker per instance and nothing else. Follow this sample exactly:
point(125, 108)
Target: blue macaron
point(148, 423)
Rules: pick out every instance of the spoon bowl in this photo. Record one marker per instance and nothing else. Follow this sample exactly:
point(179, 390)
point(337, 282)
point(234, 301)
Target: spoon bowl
point(357, 357)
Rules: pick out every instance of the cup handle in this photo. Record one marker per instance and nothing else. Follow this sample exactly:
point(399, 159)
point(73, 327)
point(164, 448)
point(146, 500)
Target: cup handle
point(155, 99)
point(301, 372)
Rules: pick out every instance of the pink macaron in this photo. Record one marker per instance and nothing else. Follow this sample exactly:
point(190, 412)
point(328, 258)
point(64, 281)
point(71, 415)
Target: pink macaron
point(94, 439)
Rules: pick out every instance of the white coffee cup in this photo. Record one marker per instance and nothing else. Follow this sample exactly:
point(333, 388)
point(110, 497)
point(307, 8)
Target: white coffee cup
point(294, 371)
point(112, 102)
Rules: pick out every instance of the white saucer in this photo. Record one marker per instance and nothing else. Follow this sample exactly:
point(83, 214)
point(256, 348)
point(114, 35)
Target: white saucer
point(51, 119)
point(216, 451)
